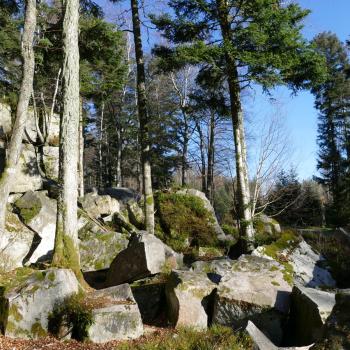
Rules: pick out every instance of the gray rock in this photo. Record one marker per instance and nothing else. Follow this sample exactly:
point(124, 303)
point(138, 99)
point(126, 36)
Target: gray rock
point(38, 211)
point(189, 299)
point(54, 131)
point(136, 215)
point(99, 247)
point(118, 318)
point(305, 265)
point(27, 306)
point(145, 256)
point(15, 243)
point(51, 161)
point(261, 342)
point(337, 327)
point(253, 289)
point(97, 206)
point(271, 226)
point(150, 297)
point(309, 311)
point(27, 176)
point(5, 121)
point(122, 195)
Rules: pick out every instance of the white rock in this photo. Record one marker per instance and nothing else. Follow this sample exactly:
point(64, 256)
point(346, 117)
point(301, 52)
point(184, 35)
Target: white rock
point(118, 318)
point(15, 243)
point(188, 294)
point(29, 305)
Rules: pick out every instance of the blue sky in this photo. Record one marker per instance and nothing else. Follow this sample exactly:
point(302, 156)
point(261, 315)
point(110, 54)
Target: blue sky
point(299, 113)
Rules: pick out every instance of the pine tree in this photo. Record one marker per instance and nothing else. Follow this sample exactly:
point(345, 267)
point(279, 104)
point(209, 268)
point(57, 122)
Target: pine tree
point(245, 41)
point(332, 99)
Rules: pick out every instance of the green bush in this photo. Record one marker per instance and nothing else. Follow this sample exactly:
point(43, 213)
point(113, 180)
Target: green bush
point(73, 315)
point(217, 337)
point(183, 221)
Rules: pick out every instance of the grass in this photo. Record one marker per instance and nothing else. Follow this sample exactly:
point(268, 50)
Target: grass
point(217, 337)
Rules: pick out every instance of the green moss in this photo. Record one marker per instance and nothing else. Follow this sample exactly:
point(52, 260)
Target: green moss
point(287, 242)
point(230, 231)
point(275, 283)
point(13, 312)
point(51, 276)
point(28, 209)
point(183, 221)
point(13, 279)
point(37, 330)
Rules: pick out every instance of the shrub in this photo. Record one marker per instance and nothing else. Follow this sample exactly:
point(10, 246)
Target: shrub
point(71, 315)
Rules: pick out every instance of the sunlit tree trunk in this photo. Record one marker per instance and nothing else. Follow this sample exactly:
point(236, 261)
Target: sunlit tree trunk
point(66, 251)
point(202, 153)
point(81, 152)
point(210, 172)
point(143, 120)
point(15, 145)
point(243, 191)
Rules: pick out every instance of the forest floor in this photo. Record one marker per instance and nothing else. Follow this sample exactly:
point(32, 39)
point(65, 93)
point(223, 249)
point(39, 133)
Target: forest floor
point(51, 343)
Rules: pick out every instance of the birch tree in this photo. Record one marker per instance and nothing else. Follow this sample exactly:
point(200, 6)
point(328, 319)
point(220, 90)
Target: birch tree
point(15, 145)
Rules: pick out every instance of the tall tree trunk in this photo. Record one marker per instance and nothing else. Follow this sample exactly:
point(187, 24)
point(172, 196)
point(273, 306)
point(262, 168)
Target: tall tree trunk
point(243, 191)
point(100, 157)
point(118, 180)
point(184, 152)
point(210, 172)
point(203, 163)
point(66, 251)
point(81, 152)
point(15, 145)
point(143, 119)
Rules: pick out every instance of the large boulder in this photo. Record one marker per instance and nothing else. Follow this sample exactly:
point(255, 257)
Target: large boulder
point(189, 296)
point(15, 243)
point(253, 289)
point(310, 309)
point(38, 212)
point(98, 206)
point(26, 306)
point(5, 121)
point(146, 255)
point(207, 205)
point(304, 261)
point(51, 161)
point(149, 294)
point(27, 176)
point(337, 327)
point(122, 195)
point(115, 315)
point(261, 342)
point(98, 247)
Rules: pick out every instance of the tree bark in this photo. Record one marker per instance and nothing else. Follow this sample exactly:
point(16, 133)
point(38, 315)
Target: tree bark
point(66, 251)
point(15, 145)
point(143, 119)
point(203, 163)
point(184, 152)
point(81, 151)
point(243, 191)
point(210, 172)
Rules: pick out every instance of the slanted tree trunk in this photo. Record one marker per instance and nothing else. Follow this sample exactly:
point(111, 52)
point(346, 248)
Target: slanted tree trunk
point(243, 191)
point(15, 145)
point(81, 151)
point(66, 251)
point(143, 120)
point(210, 172)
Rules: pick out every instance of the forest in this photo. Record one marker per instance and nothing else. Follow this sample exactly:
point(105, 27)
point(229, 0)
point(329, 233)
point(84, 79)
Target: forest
point(144, 203)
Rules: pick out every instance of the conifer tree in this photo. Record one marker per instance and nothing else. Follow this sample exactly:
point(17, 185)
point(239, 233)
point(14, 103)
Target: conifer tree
point(245, 41)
